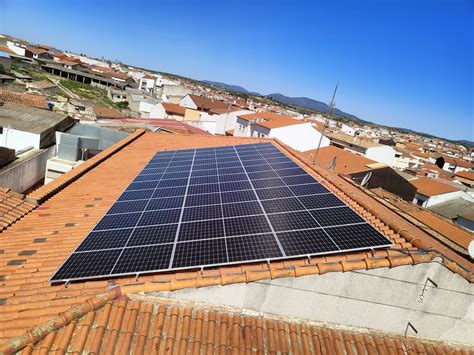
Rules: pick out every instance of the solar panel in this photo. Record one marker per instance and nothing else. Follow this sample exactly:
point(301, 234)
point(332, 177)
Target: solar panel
point(204, 207)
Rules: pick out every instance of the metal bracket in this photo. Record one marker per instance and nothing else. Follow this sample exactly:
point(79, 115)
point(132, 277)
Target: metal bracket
point(66, 284)
point(420, 299)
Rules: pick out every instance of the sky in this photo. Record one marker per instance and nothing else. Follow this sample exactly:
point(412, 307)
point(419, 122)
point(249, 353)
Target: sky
point(405, 63)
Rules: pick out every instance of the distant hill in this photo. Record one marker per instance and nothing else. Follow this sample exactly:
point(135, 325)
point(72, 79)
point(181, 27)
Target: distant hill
point(235, 88)
point(308, 103)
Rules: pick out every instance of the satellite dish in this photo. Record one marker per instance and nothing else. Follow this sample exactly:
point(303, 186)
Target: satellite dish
point(366, 179)
point(470, 249)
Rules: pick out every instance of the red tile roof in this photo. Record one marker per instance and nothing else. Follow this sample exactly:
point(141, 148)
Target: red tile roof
point(36, 50)
point(34, 247)
point(346, 162)
point(430, 187)
point(167, 124)
point(174, 108)
point(24, 99)
point(458, 162)
point(270, 119)
point(113, 323)
point(469, 175)
point(204, 103)
point(107, 112)
point(13, 206)
point(6, 50)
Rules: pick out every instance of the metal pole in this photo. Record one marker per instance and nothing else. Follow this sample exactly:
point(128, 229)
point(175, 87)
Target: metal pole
point(331, 106)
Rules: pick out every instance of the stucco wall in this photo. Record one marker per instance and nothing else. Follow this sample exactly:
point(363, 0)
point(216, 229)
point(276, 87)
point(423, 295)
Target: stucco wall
point(14, 139)
point(382, 154)
point(301, 137)
point(384, 299)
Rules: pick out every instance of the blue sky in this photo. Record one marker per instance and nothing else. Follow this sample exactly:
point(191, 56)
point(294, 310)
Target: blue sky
point(400, 63)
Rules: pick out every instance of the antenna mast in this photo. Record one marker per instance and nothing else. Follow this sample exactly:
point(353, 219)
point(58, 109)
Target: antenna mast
point(331, 106)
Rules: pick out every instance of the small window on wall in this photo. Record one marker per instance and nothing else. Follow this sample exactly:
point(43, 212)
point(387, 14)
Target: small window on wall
point(1, 130)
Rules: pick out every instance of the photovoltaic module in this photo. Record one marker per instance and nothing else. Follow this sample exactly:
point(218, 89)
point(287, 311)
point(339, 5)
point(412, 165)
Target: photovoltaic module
point(215, 206)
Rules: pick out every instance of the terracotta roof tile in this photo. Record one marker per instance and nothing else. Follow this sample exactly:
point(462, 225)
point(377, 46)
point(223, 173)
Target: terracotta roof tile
point(60, 228)
point(107, 112)
point(24, 99)
point(345, 161)
point(109, 322)
point(430, 187)
point(469, 175)
point(13, 206)
point(203, 103)
point(174, 108)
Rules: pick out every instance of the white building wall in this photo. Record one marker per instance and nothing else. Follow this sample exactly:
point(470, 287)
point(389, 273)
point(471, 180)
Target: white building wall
point(17, 50)
point(434, 200)
point(382, 154)
point(14, 139)
point(348, 130)
point(301, 137)
point(241, 128)
point(187, 102)
point(384, 299)
point(158, 111)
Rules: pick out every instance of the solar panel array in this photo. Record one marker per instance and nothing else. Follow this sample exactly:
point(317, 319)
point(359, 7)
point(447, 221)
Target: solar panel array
point(204, 207)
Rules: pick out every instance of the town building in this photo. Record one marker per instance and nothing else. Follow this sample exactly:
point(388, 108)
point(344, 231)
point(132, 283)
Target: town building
point(299, 135)
point(168, 111)
point(378, 152)
point(431, 192)
point(452, 164)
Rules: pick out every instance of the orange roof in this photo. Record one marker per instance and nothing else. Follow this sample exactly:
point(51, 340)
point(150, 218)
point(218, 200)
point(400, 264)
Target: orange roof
point(24, 99)
point(421, 154)
point(36, 50)
point(174, 108)
point(271, 120)
point(469, 175)
point(6, 50)
point(446, 228)
point(111, 323)
point(346, 162)
point(34, 247)
point(107, 112)
point(12, 207)
point(458, 162)
point(204, 103)
point(430, 187)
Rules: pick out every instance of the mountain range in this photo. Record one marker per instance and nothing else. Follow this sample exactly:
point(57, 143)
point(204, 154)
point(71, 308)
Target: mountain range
point(303, 102)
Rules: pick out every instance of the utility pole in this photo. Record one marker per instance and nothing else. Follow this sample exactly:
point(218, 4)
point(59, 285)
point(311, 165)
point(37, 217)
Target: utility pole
point(331, 106)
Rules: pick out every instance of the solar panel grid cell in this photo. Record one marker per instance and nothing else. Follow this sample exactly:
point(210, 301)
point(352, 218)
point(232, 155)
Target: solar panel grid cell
point(217, 205)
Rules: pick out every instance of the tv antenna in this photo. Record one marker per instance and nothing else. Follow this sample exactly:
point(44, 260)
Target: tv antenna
point(331, 106)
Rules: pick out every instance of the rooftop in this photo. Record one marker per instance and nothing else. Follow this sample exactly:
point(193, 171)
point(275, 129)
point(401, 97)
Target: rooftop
point(204, 103)
point(29, 119)
point(36, 101)
point(107, 112)
point(452, 209)
point(469, 175)
point(271, 120)
point(42, 84)
point(112, 322)
point(345, 161)
point(430, 187)
point(174, 108)
point(69, 207)
point(353, 141)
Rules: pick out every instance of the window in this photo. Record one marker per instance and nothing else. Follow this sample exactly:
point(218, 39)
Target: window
point(1, 130)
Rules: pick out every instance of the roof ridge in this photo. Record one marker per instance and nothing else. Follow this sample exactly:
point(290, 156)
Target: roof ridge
point(75, 312)
point(172, 314)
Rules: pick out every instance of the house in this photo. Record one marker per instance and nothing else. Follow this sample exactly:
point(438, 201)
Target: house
point(44, 86)
point(458, 210)
point(168, 111)
point(202, 103)
point(367, 172)
point(452, 164)
point(37, 53)
point(142, 104)
point(311, 304)
point(299, 135)
point(147, 84)
point(22, 126)
point(367, 148)
point(431, 192)
point(117, 95)
point(29, 100)
point(103, 112)
point(5, 79)
point(465, 177)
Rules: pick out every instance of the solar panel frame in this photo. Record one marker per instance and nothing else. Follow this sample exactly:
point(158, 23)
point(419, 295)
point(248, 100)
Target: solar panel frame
point(228, 163)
